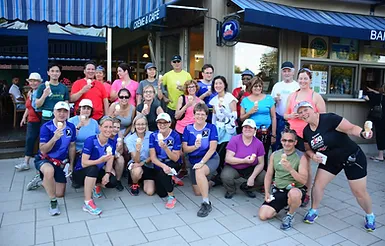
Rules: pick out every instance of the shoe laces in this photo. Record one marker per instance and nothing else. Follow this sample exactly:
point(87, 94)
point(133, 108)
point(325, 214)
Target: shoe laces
point(312, 212)
point(170, 199)
point(98, 189)
point(287, 219)
point(91, 204)
point(135, 186)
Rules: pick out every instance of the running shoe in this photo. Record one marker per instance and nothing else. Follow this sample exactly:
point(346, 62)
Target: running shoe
point(171, 200)
point(306, 201)
point(97, 192)
point(287, 222)
point(247, 190)
point(34, 183)
point(182, 173)
point(54, 208)
point(91, 208)
point(205, 209)
point(310, 216)
point(22, 166)
point(134, 189)
point(370, 223)
point(229, 195)
point(177, 181)
point(119, 186)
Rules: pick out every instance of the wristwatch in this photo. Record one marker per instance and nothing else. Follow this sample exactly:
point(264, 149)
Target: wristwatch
point(78, 127)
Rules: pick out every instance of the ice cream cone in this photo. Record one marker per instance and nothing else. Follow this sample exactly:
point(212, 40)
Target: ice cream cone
point(138, 141)
point(89, 81)
point(109, 150)
point(160, 137)
point(190, 98)
point(199, 137)
point(243, 87)
point(83, 117)
point(283, 157)
point(60, 125)
point(47, 84)
point(256, 104)
point(368, 127)
point(145, 107)
point(117, 107)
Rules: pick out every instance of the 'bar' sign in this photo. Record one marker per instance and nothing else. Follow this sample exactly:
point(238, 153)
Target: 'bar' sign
point(377, 35)
point(149, 18)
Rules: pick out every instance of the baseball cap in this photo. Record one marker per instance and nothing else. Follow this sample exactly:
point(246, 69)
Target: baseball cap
point(287, 64)
point(149, 65)
point(34, 76)
point(176, 58)
point(302, 104)
point(100, 68)
point(85, 102)
point(62, 105)
point(163, 116)
point(247, 72)
point(249, 122)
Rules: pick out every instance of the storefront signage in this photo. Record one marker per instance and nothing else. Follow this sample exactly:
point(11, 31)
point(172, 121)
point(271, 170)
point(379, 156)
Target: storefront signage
point(377, 35)
point(149, 18)
point(230, 30)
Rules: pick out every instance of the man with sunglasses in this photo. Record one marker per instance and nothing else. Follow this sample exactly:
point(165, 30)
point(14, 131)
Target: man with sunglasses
point(174, 81)
point(289, 169)
point(280, 93)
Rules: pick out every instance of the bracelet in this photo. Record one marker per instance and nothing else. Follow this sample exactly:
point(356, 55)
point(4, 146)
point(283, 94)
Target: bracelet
point(78, 127)
point(362, 135)
point(273, 136)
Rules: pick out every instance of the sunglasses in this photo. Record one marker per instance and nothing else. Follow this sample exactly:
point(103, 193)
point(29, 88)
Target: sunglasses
point(177, 61)
point(124, 97)
point(287, 140)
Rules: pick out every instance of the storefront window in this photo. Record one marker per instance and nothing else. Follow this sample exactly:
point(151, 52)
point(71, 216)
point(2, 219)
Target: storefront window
point(372, 78)
point(374, 51)
point(341, 80)
point(344, 49)
point(169, 46)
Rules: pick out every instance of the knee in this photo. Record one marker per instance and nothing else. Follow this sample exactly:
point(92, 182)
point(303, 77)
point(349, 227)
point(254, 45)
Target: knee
point(48, 172)
point(196, 190)
point(263, 215)
point(136, 172)
point(359, 193)
point(59, 194)
point(199, 172)
point(295, 195)
point(149, 191)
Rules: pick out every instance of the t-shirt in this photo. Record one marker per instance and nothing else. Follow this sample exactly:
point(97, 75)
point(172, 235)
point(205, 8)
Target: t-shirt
point(337, 146)
point(209, 133)
point(60, 149)
point(59, 93)
point(203, 88)
point(95, 150)
point(227, 100)
point(131, 87)
point(285, 89)
point(151, 116)
point(282, 177)
point(262, 117)
point(107, 87)
point(130, 142)
point(155, 83)
point(242, 150)
point(96, 94)
point(15, 92)
point(172, 141)
point(236, 93)
point(91, 129)
point(170, 81)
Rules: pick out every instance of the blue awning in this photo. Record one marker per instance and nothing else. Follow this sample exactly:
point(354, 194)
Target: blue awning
point(99, 13)
point(316, 22)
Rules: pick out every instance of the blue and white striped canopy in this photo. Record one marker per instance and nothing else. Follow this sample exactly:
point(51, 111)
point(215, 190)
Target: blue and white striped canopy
point(99, 13)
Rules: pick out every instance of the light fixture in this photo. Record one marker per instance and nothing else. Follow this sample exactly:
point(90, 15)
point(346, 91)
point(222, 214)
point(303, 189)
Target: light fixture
point(196, 59)
point(145, 55)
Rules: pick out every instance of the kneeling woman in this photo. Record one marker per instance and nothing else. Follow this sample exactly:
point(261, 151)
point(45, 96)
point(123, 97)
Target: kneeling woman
point(327, 134)
point(165, 146)
point(95, 166)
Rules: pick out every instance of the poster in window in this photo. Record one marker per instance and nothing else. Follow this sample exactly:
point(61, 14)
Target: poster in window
point(318, 47)
point(320, 81)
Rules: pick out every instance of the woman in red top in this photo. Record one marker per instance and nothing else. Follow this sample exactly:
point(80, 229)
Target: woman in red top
point(32, 119)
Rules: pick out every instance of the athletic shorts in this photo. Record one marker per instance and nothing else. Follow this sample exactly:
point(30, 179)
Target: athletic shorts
point(79, 175)
point(281, 197)
point(352, 172)
point(148, 173)
point(212, 164)
point(59, 174)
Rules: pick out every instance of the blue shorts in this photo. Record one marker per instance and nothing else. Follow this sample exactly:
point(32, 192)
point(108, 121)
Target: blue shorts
point(59, 174)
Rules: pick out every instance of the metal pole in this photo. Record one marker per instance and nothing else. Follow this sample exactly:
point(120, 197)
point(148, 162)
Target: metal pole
point(109, 54)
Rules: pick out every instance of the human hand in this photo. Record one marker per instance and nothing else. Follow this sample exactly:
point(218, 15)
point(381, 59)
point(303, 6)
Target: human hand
point(250, 181)
point(106, 179)
point(166, 169)
point(273, 140)
point(316, 158)
point(198, 143)
point(86, 88)
point(286, 164)
point(58, 134)
point(293, 115)
point(267, 197)
point(198, 165)
point(162, 144)
point(23, 122)
point(47, 91)
point(105, 158)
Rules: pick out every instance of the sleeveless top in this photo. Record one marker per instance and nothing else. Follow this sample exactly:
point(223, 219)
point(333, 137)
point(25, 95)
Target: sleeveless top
point(187, 119)
point(32, 114)
point(297, 124)
point(283, 177)
point(126, 121)
point(151, 116)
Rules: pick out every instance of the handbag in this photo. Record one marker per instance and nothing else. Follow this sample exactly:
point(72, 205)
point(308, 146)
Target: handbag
point(375, 113)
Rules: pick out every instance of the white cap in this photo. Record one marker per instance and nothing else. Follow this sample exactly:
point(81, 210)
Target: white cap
point(249, 122)
point(85, 102)
point(163, 116)
point(302, 104)
point(34, 76)
point(62, 105)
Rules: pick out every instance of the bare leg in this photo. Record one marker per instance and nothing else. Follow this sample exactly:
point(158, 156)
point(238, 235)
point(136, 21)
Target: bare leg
point(322, 178)
point(119, 166)
point(359, 190)
point(294, 200)
point(136, 174)
point(149, 187)
point(48, 180)
point(202, 182)
point(89, 184)
point(266, 212)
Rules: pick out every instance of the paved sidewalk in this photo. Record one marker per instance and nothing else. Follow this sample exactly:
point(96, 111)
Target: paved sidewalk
point(143, 220)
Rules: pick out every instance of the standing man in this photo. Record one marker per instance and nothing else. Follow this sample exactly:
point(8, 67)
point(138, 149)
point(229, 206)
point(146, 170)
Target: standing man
point(174, 81)
point(57, 144)
point(89, 88)
point(14, 90)
point(51, 92)
point(205, 91)
point(280, 93)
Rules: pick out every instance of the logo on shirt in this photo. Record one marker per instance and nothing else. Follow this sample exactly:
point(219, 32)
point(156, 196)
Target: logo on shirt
point(170, 142)
point(68, 132)
point(317, 143)
point(205, 133)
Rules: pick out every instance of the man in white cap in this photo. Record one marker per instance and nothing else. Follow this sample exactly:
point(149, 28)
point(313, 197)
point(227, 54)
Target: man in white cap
point(57, 144)
point(280, 93)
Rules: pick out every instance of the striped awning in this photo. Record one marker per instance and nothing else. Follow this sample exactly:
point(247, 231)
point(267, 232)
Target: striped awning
point(98, 13)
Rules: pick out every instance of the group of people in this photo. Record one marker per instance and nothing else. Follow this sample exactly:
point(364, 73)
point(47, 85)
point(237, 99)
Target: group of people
point(166, 127)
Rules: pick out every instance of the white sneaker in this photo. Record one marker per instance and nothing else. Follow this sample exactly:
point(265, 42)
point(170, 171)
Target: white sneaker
point(22, 166)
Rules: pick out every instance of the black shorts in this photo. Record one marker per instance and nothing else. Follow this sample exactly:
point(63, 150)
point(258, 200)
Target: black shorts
point(352, 172)
point(148, 173)
point(58, 175)
point(78, 176)
point(281, 197)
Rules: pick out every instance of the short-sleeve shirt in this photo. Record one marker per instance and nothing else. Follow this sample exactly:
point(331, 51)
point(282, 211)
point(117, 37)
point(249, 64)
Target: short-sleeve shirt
point(151, 116)
point(170, 81)
point(91, 129)
point(203, 88)
point(131, 87)
point(14, 90)
point(155, 83)
point(172, 141)
point(107, 87)
point(60, 149)
point(96, 94)
point(262, 117)
point(284, 89)
point(337, 146)
point(209, 133)
point(130, 142)
point(95, 150)
point(228, 99)
point(242, 150)
point(236, 93)
point(59, 93)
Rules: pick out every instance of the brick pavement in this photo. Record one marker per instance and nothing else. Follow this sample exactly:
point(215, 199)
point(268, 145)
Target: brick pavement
point(143, 220)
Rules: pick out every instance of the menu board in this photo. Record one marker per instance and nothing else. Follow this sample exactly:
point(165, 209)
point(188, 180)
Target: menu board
point(320, 81)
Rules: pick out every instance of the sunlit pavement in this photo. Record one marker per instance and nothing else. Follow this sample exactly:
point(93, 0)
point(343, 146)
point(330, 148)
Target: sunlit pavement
point(143, 220)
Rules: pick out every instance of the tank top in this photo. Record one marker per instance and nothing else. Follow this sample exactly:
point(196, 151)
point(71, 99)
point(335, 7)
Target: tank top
point(32, 115)
point(297, 124)
point(126, 121)
point(187, 119)
point(283, 177)
point(151, 116)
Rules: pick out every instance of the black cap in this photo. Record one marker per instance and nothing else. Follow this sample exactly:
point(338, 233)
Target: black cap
point(176, 58)
point(287, 64)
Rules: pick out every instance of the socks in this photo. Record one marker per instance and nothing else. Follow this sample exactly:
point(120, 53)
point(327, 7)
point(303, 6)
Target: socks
point(368, 215)
point(206, 200)
point(86, 202)
point(53, 199)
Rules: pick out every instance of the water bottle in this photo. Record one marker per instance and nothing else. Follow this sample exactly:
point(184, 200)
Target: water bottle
point(289, 186)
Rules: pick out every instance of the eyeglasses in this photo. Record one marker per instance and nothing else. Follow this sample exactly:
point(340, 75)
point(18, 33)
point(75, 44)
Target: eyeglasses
point(287, 140)
point(124, 97)
point(162, 123)
point(191, 87)
point(148, 92)
point(257, 86)
point(177, 61)
point(142, 124)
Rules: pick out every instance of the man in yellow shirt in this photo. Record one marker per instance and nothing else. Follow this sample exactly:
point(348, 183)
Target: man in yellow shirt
point(174, 81)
